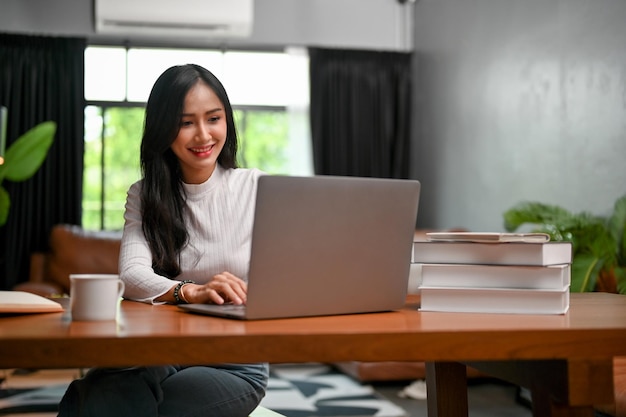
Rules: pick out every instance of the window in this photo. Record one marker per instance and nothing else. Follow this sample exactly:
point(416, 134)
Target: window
point(268, 92)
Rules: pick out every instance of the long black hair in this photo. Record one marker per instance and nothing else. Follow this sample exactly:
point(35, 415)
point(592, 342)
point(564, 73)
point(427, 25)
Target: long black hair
point(162, 193)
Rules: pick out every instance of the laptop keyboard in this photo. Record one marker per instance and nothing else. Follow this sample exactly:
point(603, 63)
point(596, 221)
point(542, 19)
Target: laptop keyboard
point(233, 307)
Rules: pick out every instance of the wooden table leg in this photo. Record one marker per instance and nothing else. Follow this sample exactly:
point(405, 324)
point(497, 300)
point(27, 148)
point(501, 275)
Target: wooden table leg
point(559, 388)
point(446, 389)
point(543, 406)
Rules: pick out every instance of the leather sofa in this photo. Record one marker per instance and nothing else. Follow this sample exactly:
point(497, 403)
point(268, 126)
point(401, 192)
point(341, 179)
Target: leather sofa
point(74, 250)
point(71, 250)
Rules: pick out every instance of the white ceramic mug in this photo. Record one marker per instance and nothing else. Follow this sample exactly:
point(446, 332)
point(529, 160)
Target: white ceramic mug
point(95, 296)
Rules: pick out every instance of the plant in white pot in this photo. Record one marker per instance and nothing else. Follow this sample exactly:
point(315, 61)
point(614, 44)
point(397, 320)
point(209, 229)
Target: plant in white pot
point(22, 159)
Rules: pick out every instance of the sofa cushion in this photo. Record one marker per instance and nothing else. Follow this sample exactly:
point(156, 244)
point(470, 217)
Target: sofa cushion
point(74, 250)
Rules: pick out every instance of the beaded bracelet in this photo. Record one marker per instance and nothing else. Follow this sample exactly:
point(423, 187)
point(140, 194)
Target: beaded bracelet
point(178, 295)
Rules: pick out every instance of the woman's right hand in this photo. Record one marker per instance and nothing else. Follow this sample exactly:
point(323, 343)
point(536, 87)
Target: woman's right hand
point(221, 288)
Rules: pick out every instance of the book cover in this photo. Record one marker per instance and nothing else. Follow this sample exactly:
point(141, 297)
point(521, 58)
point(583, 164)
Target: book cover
point(495, 276)
point(488, 237)
point(495, 300)
point(510, 253)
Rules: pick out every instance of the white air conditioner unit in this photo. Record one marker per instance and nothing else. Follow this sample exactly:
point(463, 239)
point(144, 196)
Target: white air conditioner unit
point(221, 19)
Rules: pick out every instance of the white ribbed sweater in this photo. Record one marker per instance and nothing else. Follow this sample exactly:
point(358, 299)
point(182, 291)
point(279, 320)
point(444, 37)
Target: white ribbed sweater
point(219, 217)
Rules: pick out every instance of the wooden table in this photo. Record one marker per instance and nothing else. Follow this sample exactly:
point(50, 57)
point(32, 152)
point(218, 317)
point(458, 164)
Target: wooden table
point(565, 360)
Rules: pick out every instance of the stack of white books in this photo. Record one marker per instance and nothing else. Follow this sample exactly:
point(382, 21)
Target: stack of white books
point(493, 273)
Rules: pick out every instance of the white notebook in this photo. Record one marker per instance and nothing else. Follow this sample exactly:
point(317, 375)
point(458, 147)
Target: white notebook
point(25, 302)
point(488, 237)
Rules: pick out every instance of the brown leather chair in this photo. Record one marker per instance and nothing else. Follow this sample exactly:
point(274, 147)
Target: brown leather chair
point(72, 250)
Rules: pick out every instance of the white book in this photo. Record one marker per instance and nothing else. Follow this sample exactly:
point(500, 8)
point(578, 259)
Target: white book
point(495, 276)
point(495, 300)
point(509, 253)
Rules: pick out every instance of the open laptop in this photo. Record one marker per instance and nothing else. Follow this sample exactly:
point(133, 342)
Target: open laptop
point(327, 245)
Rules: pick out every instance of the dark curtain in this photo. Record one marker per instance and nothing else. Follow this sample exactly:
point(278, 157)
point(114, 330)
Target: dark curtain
point(41, 78)
point(360, 112)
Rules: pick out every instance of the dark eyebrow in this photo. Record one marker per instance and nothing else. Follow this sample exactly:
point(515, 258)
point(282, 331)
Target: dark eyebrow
point(215, 110)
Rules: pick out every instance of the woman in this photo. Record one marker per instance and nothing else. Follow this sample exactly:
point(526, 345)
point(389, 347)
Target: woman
point(187, 231)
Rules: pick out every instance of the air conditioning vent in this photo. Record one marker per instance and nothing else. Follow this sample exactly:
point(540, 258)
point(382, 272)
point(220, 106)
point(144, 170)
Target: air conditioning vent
point(186, 18)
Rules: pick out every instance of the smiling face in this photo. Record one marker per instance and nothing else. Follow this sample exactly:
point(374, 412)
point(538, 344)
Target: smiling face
point(202, 134)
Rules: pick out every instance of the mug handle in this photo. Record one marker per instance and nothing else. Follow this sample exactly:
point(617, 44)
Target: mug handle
point(121, 287)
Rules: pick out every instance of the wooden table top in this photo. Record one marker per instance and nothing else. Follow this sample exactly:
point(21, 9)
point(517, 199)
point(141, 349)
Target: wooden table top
point(594, 327)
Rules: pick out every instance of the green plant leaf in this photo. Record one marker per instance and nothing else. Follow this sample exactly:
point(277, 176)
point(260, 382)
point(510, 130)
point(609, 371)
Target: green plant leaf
point(534, 213)
point(617, 228)
point(598, 243)
point(585, 270)
point(590, 236)
point(5, 204)
point(24, 157)
point(620, 277)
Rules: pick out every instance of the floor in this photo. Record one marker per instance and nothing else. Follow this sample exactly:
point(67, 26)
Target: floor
point(486, 398)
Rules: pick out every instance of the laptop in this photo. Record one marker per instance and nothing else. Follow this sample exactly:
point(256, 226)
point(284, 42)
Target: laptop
point(327, 245)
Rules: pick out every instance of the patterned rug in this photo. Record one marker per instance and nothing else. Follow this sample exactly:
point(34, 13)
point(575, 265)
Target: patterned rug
point(318, 390)
point(294, 390)
point(34, 392)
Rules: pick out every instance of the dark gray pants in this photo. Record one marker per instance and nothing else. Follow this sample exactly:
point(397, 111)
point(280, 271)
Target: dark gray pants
point(167, 391)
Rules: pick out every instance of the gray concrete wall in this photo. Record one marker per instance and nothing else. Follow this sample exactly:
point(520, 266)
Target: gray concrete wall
point(518, 100)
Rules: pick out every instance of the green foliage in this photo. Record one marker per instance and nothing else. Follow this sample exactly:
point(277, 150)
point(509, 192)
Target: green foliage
point(5, 204)
point(598, 243)
point(111, 164)
point(617, 228)
point(23, 158)
point(263, 139)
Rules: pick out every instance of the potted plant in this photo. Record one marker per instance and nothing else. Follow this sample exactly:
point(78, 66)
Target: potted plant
point(23, 158)
point(598, 243)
